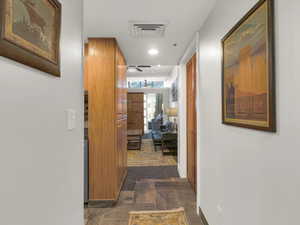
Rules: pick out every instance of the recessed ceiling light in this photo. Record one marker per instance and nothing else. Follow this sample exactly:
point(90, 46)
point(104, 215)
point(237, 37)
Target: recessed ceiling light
point(153, 51)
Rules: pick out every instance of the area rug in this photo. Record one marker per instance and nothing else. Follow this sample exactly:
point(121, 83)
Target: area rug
point(168, 217)
point(147, 156)
point(137, 173)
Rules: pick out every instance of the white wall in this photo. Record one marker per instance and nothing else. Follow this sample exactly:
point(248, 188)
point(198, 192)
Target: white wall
point(251, 176)
point(182, 140)
point(41, 163)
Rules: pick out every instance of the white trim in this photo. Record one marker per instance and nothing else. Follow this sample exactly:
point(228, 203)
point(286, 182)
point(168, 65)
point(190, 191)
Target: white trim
point(198, 118)
point(182, 157)
point(182, 142)
point(190, 51)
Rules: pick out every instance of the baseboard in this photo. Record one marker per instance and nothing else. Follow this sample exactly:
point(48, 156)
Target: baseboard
point(181, 173)
point(202, 217)
point(101, 203)
point(106, 203)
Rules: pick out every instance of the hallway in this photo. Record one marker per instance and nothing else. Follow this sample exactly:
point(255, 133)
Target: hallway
point(149, 112)
point(148, 194)
point(151, 185)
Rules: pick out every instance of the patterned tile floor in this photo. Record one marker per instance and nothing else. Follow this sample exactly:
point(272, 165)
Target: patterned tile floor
point(149, 194)
point(148, 188)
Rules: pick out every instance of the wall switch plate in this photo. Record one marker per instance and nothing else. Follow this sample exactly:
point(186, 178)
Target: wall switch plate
point(71, 119)
point(220, 208)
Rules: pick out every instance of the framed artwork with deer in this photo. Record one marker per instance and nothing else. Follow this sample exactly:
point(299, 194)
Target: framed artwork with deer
point(30, 33)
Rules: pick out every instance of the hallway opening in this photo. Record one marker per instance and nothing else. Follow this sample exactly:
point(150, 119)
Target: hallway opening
point(143, 132)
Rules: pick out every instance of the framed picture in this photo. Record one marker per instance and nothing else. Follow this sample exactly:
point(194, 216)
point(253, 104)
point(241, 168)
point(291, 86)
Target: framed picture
point(248, 76)
point(30, 33)
point(174, 90)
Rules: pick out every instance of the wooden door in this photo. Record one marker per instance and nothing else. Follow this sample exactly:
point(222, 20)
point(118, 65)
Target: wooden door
point(191, 123)
point(85, 75)
point(135, 110)
point(121, 85)
point(120, 77)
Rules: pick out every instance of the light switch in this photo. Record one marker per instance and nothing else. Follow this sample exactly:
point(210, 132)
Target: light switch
point(71, 119)
point(220, 208)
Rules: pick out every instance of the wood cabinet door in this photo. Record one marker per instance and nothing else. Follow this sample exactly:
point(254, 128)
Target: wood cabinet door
point(125, 93)
point(121, 84)
point(124, 148)
point(191, 123)
point(121, 150)
point(135, 104)
point(123, 69)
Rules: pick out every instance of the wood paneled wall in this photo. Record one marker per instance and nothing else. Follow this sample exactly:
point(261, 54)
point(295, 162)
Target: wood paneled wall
point(107, 166)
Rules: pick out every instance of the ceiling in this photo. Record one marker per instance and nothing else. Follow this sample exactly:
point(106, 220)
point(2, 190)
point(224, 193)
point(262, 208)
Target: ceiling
point(110, 18)
point(153, 72)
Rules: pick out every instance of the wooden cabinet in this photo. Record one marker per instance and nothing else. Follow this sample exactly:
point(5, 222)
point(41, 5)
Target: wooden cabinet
point(106, 68)
point(122, 149)
point(121, 85)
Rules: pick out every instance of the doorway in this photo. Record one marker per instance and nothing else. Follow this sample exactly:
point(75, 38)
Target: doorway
point(135, 107)
point(150, 105)
point(191, 123)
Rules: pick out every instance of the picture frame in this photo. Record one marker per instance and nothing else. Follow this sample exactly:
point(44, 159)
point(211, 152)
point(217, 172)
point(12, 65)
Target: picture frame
point(248, 71)
point(30, 33)
point(174, 90)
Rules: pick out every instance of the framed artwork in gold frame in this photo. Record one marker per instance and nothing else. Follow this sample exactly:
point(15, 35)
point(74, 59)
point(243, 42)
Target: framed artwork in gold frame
point(248, 74)
point(30, 33)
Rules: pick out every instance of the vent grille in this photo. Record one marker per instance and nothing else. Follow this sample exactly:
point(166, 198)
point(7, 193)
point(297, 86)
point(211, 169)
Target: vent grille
point(144, 29)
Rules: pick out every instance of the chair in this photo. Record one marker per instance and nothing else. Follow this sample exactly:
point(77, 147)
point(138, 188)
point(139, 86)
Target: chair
point(134, 143)
point(169, 142)
point(156, 138)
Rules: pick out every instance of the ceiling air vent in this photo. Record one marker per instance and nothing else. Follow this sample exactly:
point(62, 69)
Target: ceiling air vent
point(143, 29)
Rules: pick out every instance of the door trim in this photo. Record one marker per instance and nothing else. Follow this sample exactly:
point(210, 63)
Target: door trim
point(192, 61)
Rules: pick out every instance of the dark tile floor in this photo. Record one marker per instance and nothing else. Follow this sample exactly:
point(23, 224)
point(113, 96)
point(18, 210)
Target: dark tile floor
point(148, 172)
point(147, 194)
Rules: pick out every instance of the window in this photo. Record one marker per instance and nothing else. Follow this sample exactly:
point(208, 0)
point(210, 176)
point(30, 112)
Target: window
point(146, 84)
point(149, 109)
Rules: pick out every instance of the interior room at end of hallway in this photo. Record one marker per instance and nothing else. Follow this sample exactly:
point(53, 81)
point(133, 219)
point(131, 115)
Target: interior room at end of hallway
point(158, 145)
point(149, 156)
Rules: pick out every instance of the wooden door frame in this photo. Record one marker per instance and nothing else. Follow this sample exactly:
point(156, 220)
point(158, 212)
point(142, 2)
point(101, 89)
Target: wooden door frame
point(193, 57)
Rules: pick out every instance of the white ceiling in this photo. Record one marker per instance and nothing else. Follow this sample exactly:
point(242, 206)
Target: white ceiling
point(109, 18)
point(153, 72)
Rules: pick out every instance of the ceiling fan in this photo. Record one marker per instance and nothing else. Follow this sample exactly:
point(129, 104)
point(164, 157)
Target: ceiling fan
point(138, 68)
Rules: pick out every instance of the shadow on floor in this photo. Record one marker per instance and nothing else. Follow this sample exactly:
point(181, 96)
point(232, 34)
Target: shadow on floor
point(148, 172)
